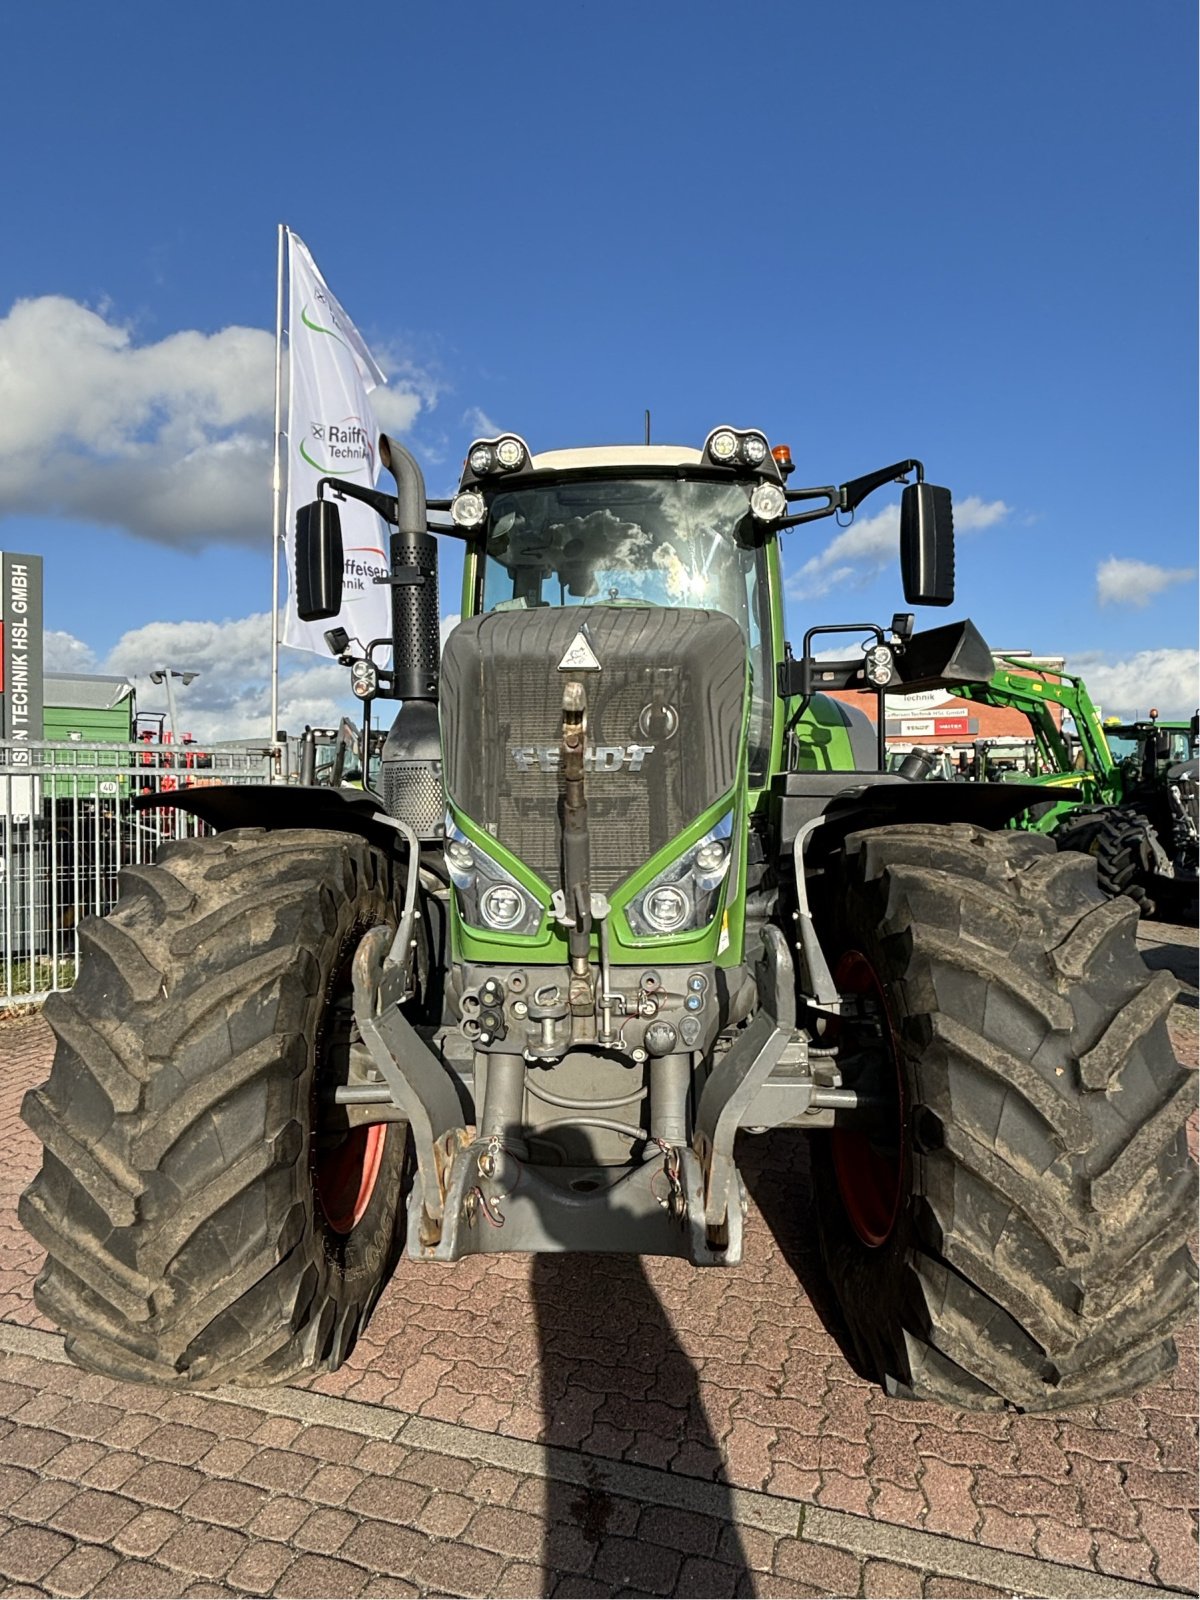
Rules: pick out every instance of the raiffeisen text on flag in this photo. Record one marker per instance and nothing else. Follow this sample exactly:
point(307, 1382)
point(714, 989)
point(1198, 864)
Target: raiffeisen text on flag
point(332, 433)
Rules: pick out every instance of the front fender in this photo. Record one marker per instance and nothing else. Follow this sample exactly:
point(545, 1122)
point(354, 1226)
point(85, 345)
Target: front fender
point(274, 806)
point(846, 801)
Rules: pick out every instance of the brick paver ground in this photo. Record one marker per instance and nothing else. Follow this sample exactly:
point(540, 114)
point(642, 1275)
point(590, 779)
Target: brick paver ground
point(578, 1425)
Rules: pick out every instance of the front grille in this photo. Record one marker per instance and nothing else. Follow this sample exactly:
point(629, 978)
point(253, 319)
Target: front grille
point(671, 679)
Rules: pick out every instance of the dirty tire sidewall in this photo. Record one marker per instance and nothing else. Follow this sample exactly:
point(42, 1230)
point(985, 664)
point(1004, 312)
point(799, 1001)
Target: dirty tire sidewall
point(175, 1200)
point(1040, 1258)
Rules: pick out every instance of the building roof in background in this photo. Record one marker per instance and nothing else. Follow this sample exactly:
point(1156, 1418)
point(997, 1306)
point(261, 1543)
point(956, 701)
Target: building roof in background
point(93, 691)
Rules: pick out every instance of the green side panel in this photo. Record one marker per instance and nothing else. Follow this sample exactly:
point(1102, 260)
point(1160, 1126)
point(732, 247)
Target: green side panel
point(832, 737)
point(88, 726)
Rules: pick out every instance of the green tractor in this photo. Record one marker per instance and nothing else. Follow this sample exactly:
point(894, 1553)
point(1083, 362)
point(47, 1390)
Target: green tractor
point(1123, 793)
point(616, 903)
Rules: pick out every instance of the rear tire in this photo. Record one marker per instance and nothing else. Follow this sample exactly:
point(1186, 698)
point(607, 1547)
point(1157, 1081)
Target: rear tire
point(179, 1199)
point(1038, 1252)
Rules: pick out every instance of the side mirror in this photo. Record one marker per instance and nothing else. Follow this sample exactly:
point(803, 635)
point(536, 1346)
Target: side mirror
point(318, 561)
point(927, 545)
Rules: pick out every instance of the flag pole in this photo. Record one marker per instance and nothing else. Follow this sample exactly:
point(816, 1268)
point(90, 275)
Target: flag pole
point(277, 489)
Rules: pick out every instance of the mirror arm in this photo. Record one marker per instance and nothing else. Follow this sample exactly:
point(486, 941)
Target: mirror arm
point(856, 491)
point(383, 504)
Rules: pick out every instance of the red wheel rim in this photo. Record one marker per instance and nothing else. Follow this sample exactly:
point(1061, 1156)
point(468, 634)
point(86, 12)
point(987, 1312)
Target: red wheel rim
point(870, 1175)
point(345, 1177)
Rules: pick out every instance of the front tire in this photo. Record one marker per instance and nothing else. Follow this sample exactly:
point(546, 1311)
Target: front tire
point(1034, 1127)
point(202, 1225)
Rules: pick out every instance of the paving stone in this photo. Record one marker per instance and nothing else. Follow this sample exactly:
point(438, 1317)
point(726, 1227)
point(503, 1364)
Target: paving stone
point(820, 1565)
point(510, 1533)
point(113, 1470)
point(260, 1566)
point(393, 1588)
point(280, 1469)
point(204, 1551)
point(228, 1457)
point(231, 1504)
point(436, 1471)
point(147, 1533)
point(31, 1447)
point(280, 1518)
point(1173, 1539)
point(14, 1482)
point(314, 1577)
point(93, 1514)
point(449, 1568)
point(332, 1485)
point(701, 1577)
point(28, 1553)
point(78, 1573)
point(499, 1487)
point(161, 1484)
point(329, 1444)
point(631, 1564)
point(446, 1515)
point(389, 1499)
point(687, 1531)
point(892, 1582)
point(1124, 1558)
point(325, 1531)
point(139, 1580)
point(384, 1547)
point(42, 1500)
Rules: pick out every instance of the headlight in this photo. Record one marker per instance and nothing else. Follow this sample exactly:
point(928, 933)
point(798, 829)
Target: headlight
point(684, 895)
point(768, 502)
point(505, 454)
point(502, 906)
point(489, 897)
point(723, 445)
point(666, 908)
point(467, 510)
point(364, 679)
point(754, 448)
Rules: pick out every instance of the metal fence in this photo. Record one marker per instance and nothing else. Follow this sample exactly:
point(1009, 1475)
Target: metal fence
point(67, 827)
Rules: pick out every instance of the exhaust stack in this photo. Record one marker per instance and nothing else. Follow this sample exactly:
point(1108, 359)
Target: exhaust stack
point(411, 774)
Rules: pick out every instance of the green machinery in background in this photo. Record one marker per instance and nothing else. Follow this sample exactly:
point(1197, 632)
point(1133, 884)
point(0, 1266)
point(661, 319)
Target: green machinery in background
point(1132, 786)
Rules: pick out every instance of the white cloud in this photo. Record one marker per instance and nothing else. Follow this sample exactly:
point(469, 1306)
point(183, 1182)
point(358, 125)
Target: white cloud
point(448, 624)
point(972, 514)
point(480, 424)
point(171, 440)
point(870, 544)
point(63, 652)
point(1135, 583)
point(231, 696)
point(1168, 679)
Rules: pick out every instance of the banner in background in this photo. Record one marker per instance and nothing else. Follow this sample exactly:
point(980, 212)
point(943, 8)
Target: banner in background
point(331, 433)
point(20, 654)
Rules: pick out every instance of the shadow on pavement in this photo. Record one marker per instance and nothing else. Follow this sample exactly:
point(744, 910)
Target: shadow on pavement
point(1163, 948)
point(616, 1383)
point(777, 1174)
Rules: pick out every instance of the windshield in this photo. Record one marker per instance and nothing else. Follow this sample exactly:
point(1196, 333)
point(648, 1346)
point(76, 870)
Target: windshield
point(1178, 744)
point(652, 541)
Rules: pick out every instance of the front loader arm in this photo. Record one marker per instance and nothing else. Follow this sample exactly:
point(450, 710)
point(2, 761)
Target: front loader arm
point(1033, 696)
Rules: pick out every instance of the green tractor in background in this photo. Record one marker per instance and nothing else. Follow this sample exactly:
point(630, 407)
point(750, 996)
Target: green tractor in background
point(616, 901)
point(1129, 790)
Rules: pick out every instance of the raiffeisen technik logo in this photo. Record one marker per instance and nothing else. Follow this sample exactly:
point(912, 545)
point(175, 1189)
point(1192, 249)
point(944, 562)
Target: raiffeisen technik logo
point(343, 447)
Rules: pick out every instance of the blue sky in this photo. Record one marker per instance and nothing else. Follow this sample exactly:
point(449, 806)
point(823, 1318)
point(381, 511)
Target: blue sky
point(959, 232)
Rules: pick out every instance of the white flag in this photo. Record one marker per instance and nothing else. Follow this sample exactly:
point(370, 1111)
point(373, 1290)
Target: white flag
point(332, 434)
